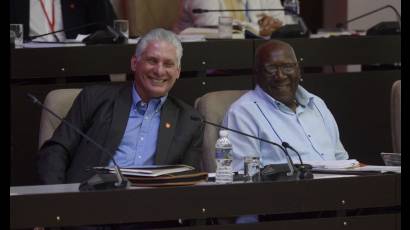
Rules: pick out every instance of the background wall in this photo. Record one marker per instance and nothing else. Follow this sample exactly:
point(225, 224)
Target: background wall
point(119, 8)
point(145, 15)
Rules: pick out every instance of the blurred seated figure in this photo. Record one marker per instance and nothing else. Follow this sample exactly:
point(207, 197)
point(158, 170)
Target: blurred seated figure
point(45, 16)
point(262, 23)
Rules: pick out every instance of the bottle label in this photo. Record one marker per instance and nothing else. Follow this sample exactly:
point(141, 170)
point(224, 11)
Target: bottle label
point(223, 159)
point(223, 171)
point(223, 153)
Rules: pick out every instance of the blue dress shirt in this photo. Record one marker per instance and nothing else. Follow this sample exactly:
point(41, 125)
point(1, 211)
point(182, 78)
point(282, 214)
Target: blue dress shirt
point(138, 145)
point(312, 130)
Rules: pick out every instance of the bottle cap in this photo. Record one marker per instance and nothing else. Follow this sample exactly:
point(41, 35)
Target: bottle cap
point(223, 133)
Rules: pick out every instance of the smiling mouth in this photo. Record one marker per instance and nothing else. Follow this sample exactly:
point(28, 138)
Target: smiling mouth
point(283, 85)
point(157, 81)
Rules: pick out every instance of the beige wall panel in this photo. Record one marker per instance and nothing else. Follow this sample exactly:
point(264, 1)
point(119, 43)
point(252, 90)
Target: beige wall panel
point(145, 15)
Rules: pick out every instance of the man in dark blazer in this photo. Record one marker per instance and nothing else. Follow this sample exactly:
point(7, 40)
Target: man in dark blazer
point(112, 116)
point(75, 13)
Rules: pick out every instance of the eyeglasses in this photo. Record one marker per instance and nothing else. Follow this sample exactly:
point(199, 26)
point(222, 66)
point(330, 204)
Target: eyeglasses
point(286, 68)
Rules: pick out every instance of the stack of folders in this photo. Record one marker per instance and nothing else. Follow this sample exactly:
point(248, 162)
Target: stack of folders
point(161, 175)
point(350, 167)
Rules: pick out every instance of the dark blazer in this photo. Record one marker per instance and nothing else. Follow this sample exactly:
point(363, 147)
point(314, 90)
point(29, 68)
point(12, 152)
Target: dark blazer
point(102, 113)
point(75, 13)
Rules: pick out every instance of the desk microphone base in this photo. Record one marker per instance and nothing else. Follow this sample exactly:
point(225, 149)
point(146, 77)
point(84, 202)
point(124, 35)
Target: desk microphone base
point(103, 181)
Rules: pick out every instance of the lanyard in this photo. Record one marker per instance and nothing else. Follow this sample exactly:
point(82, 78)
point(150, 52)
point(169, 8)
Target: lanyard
point(51, 23)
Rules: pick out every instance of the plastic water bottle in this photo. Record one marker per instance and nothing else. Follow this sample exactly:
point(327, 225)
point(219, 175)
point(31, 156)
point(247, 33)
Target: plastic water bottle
point(292, 5)
point(223, 157)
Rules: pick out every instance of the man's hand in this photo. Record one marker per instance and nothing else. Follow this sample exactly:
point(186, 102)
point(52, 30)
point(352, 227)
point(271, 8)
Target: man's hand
point(268, 24)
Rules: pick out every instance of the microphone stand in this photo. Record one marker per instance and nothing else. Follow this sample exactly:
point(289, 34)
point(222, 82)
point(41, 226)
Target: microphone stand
point(107, 35)
point(340, 24)
point(64, 30)
point(96, 182)
point(291, 166)
point(305, 170)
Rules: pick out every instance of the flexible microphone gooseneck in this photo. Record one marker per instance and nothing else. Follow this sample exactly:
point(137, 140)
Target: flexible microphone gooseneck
point(66, 30)
point(341, 24)
point(288, 159)
point(385, 27)
point(98, 181)
point(102, 36)
point(305, 169)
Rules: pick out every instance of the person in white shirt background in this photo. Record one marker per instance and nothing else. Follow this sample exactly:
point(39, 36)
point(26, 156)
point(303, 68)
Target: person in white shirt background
point(45, 16)
point(262, 23)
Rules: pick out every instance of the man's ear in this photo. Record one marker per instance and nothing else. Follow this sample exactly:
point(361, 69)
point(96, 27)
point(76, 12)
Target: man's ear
point(179, 71)
point(134, 63)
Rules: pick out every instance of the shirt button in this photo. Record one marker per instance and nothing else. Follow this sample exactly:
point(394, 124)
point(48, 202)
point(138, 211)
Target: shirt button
point(146, 117)
point(309, 136)
point(139, 157)
point(142, 138)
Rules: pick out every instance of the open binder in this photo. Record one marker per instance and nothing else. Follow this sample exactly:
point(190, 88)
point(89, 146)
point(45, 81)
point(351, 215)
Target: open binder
point(174, 179)
point(161, 175)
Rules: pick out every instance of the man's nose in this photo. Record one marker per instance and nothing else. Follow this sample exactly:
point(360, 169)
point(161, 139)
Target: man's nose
point(159, 69)
point(279, 75)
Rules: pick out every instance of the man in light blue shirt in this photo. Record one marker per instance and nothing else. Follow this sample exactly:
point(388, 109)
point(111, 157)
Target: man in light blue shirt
point(280, 110)
point(137, 122)
point(138, 144)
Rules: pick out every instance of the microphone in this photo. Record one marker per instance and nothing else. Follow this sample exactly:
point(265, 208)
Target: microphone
point(100, 181)
point(274, 171)
point(66, 30)
point(304, 169)
point(287, 31)
point(380, 28)
point(105, 35)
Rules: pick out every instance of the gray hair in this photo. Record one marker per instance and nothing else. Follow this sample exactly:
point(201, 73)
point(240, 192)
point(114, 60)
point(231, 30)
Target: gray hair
point(159, 34)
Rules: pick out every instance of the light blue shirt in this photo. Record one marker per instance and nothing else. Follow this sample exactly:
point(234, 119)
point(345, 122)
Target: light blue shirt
point(138, 145)
point(312, 130)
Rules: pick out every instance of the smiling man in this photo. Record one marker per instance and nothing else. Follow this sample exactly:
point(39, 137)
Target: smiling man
point(139, 123)
point(280, 110)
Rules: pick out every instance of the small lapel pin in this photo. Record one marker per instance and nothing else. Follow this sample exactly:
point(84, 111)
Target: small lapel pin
point(72, 6)
point(167, 125)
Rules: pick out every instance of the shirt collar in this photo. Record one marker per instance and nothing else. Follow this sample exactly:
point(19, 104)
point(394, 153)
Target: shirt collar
point(136, 98)
point(303, 97)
